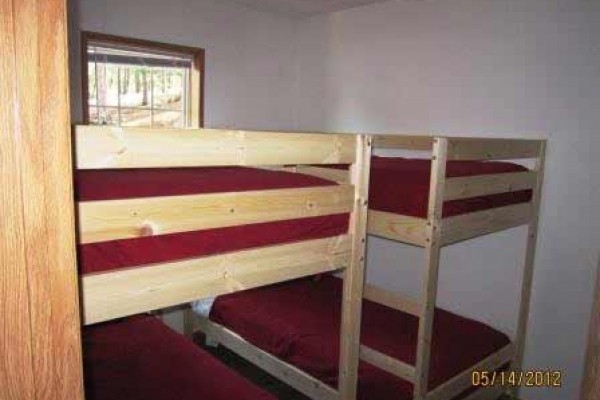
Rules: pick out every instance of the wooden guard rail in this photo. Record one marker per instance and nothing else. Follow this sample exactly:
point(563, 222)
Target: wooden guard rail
point(123, 292)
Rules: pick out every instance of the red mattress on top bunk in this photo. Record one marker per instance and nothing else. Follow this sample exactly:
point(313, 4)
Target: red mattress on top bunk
point(299, 322)
point(131, 183)
point(401, 186)
point(140, 358)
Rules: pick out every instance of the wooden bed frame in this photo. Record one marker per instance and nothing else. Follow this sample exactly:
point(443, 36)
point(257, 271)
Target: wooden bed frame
point(432, 233)
point(115, 294)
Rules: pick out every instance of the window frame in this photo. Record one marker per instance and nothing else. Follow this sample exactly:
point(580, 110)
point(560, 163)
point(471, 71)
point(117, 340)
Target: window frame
point(196, 109)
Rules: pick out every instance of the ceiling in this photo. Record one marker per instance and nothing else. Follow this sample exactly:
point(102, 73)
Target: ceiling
point(304, 8)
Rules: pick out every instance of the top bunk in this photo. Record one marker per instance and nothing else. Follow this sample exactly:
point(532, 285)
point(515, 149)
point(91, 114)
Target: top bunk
point(168, 216)
point(465, 187)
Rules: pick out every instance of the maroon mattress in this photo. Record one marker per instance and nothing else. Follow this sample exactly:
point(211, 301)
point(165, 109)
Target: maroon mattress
point(299, 322)
point(121, 184)
point(140, 358)
point(401, 186)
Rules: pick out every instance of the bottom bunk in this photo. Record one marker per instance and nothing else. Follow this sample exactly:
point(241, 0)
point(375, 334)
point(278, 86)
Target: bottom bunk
point(140, 358)
point(299, 321)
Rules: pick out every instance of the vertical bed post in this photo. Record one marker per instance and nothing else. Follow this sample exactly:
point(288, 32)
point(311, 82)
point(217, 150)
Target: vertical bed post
point(354, 273)
point(432, 261)
point(528, 265)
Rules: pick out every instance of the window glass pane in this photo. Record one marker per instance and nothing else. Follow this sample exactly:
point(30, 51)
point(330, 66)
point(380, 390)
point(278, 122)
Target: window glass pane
point(136, 117)
point(168, 119)
point(108, 116)
point(131, 88)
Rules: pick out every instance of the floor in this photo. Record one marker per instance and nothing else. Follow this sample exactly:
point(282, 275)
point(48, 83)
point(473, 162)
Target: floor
point(259, 377)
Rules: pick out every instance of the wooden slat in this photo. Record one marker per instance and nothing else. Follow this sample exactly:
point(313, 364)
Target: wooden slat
point(491, 149)
point(387, 363)
point(528, 264)
point(332, 174)
point(111, 147)
point(130, 291)
point(391, 299)
point(397, 227)
point(467, 226)
point(462, 381)
point(432, 263)
point(354, 275)
point(130, 218)
point(483, 185)
point(283, 371)
point(408, 142)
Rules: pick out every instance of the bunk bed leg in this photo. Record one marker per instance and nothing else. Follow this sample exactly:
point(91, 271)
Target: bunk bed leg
point(432, 261)
point(188, 323)
point(354, 274)
point(528, 267)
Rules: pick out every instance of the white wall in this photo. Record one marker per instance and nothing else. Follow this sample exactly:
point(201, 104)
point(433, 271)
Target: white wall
point(463, 67)
point(466, 67)
point(249, 54)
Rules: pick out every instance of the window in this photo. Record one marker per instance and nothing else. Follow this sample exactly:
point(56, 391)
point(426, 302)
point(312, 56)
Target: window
point(132, 82)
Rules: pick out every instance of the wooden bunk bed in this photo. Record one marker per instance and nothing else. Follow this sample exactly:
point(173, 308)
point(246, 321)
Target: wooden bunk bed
point(498, 196)
point(142, 192)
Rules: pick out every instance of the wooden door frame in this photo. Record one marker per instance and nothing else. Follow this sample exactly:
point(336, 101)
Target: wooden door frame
point(590, 388)
point(40, 345)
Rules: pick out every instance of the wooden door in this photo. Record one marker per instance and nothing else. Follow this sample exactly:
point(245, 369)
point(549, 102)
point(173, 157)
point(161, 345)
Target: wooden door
point(40, 346)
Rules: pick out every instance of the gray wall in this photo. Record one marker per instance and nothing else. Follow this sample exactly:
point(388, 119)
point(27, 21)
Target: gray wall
point(249, 55)
point(463, 67)
point(454, 67)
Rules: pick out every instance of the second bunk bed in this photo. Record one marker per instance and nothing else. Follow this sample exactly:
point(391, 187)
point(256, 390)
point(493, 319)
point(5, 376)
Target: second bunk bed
point(409, 349)
point(167, 216)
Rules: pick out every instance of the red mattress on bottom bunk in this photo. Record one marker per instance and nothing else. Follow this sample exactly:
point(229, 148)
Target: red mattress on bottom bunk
point(299, 322)
point(140, 358)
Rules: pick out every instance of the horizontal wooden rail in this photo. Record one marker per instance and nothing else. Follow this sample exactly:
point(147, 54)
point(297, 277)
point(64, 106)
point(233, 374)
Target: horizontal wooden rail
point(397, 227)
point(99, 147)
point(483, 185)
point(131, 218)
point(467, 226)
point(298, 379)
point(389, 364)
point(391, 299)
point(492, 149)
point(130, 291)
point(462, 381)
point(406, 142)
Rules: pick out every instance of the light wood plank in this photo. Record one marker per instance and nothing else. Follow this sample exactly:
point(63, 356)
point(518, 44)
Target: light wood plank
point(112, 147)
point(354, 276)
point(391, 299)
point(527, 280)
point(432, 262)
point(41, 358)
point(484, 185)
point(16, 359)
point(387, 363)
point(467, 226)
point(397, 227)
point(130, 218)
point(492, 148)
point(130, 291)
point(400, 141)
point(462, 381)
point(296, 378)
